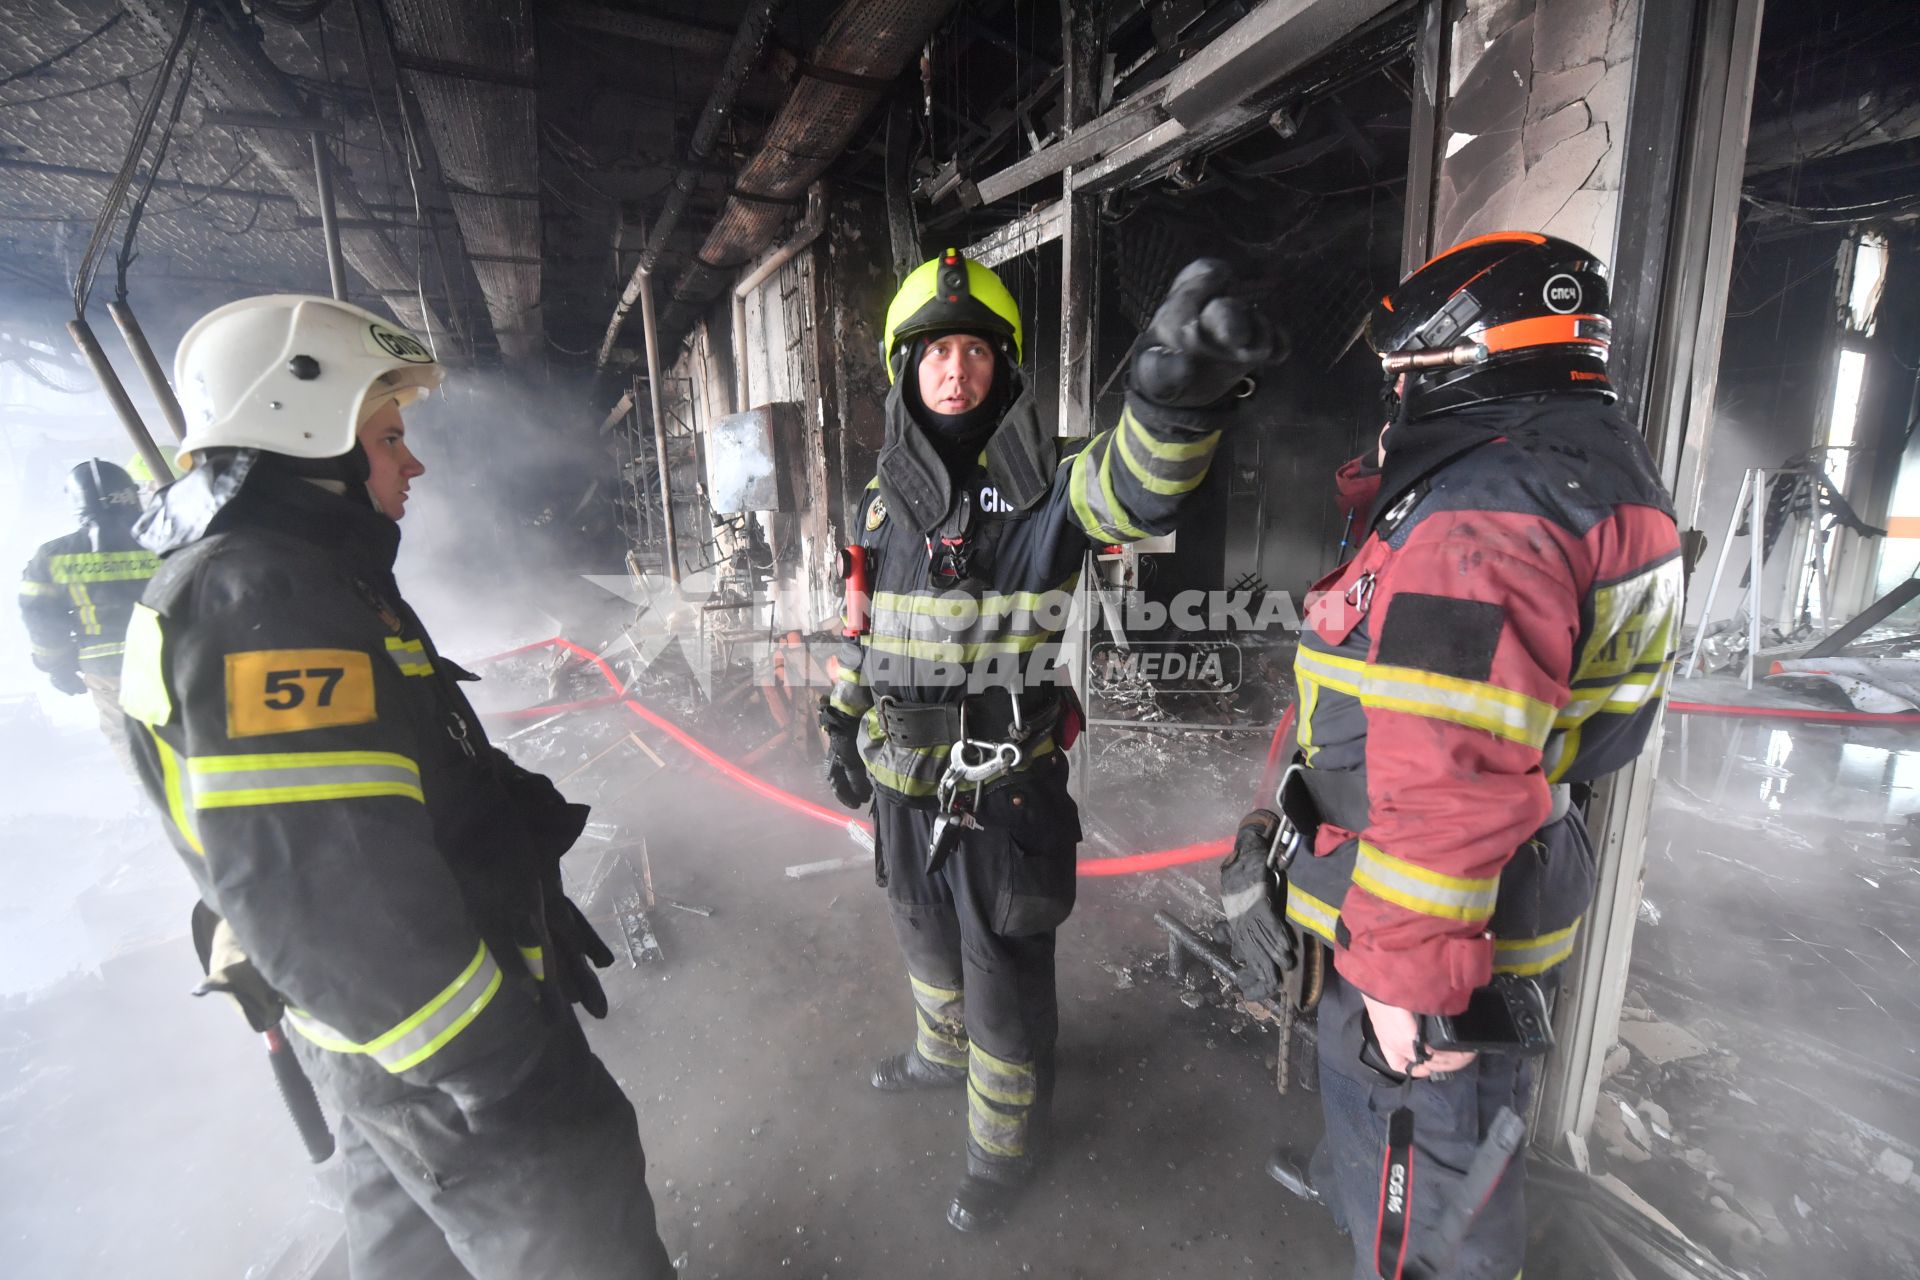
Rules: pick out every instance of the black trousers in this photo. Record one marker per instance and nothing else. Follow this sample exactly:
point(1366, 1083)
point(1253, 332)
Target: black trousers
point(1451, 1118)
point(978, 937)
point(557, 1188)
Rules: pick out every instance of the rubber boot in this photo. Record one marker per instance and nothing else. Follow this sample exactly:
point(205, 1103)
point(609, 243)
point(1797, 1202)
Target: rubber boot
point(981, 1204)
point(904, 1071)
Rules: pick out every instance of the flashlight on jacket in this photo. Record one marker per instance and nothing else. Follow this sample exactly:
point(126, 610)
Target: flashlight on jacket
point(853, 572)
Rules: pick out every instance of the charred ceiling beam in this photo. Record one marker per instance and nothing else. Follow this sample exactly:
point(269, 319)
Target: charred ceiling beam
point(233, 73)
point(472, 66)
point(866, 45)
point(669, 33)
point(1833, 129)
point(1217, 93)
point(743, 53)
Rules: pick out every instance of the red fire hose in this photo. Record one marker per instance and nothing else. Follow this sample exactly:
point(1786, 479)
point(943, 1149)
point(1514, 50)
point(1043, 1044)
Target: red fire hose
point(1156, 860)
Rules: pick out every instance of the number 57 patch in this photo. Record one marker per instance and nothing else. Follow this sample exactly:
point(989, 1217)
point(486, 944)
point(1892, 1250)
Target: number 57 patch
point(287, 690)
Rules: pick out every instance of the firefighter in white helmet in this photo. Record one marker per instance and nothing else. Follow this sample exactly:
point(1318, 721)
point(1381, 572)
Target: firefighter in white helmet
point(391, 876)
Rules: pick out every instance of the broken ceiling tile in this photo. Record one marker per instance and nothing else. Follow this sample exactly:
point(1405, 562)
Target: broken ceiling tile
point(1587, 218)
point(1662, 1042)
point(1564, 169)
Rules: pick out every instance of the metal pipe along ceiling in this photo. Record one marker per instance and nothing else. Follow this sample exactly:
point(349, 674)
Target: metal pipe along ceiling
point(472, 66)
point(866, 45)
point(741, 57)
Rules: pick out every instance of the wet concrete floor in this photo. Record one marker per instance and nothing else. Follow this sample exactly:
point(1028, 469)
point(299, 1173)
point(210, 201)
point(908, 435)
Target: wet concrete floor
point(140, 1133)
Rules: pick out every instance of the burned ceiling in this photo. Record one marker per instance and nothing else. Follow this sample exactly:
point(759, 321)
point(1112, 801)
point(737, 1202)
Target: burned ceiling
point(503, 171)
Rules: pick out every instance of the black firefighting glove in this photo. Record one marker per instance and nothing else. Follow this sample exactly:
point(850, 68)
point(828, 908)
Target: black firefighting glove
point(68, 682)
point(1255, 900)
point(846, 771)
point(1202, 341)
point(577, 952)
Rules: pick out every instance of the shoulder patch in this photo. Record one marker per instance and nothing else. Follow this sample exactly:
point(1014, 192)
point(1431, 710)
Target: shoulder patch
point(1440, 634)
point(289, 690)
point(876, 513)
point(143, 680)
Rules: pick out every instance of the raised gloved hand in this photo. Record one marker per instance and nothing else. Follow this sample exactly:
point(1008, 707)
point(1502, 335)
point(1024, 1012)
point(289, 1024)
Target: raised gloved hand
point(68, 682)
point(1255, 901)
point(1201, 342)
point(577, 952)
point(846, 771)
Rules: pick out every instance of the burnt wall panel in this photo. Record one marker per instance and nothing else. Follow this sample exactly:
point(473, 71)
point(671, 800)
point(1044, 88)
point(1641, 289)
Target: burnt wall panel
point(1531, 135)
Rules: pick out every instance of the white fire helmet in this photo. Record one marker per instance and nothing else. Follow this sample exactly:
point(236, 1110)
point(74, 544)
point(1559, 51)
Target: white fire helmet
point(293, 374)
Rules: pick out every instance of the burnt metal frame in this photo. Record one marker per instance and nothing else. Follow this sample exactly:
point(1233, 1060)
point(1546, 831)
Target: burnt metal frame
point(1686, 144)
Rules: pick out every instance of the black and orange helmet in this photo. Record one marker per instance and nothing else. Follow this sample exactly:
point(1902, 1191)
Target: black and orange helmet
point(1509, 314)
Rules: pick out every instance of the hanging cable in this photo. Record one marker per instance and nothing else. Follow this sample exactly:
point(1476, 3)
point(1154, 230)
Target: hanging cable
point(125, 257)
point(117, 192)
point(53, 58)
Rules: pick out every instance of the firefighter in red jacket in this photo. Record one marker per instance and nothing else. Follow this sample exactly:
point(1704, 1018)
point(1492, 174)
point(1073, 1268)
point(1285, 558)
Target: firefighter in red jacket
point(1502, 638)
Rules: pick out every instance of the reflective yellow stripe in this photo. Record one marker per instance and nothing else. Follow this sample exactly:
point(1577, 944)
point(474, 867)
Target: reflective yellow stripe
point(1109, 523)
point(1184, 465)
point(102, 566)
point(171, 783)
point(958, 606)
point(427, 1030)
point(112, 650)
point(1530, 956)
point(1473, 703)
point(1311, 913)
point(536, 961)
point(1011, 1083)
point(228, 782)
point(947, 651)
point(31, 590)
point(940, 1034)
point(1423, 889)
point(83, 604)
point(410, 656)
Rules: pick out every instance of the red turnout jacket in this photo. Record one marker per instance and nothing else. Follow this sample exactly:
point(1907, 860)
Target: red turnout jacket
point(1506, 629)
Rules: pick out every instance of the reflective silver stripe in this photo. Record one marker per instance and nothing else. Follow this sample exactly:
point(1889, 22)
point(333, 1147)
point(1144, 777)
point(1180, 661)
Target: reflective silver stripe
point(1312, 914)
point(1161, 466)
point(1534, 955)
point(1241, 901)
point(940, 1032)
point(227, 782)
point(1090, 486)
point(1562, 797)
point(1473, 703)
point(427, 1031)
point(536, 961)
point(1000, 1096)
point(410, 656)
point(1419, 889)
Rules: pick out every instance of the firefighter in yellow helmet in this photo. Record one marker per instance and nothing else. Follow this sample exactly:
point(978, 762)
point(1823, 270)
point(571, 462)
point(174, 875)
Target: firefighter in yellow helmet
point(392, 879)
point(950, 712)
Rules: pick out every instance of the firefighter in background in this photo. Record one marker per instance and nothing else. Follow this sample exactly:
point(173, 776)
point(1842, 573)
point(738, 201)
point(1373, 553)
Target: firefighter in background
point(391, 877)
point(1502, 639)
point(78, 591)
point(973, 534)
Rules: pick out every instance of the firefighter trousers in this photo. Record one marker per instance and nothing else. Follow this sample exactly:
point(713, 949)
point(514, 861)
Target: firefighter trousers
point(978, 938)
point(1450, 1119)
point(557, 1191)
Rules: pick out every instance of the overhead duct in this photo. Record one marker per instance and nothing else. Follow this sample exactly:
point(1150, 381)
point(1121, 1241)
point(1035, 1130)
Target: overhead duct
point(472, 66)
point(866, 45)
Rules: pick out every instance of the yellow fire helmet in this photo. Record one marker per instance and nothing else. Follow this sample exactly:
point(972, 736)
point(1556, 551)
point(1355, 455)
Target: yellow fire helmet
point(950, 294)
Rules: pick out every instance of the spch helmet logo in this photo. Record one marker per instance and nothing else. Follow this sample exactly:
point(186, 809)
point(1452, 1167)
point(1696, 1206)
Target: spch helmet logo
point(400, 346)
point(1562, 294)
